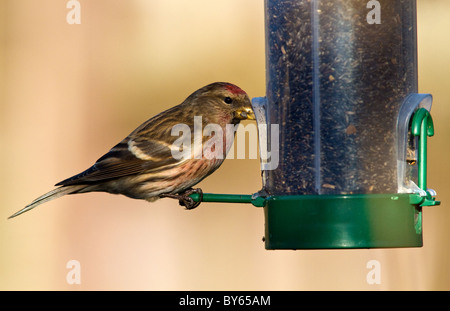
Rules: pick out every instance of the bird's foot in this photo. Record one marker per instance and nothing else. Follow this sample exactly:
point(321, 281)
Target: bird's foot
point(185, 199)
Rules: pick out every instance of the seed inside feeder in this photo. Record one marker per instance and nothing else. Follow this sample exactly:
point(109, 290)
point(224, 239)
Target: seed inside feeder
point(335, 84)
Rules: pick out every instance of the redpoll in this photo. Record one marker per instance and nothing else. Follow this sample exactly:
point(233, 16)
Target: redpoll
point(153, 161)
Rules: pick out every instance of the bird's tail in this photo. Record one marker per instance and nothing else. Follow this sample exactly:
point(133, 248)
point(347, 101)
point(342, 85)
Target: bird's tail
point(51, 195)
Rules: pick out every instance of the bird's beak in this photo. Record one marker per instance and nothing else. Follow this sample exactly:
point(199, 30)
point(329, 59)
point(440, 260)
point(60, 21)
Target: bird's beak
point(245, 114)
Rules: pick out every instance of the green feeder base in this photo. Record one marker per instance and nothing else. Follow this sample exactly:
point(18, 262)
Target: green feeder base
point(342, 221)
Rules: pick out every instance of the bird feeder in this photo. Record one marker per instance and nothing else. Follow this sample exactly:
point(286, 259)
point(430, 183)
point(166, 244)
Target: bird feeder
point(352, 128)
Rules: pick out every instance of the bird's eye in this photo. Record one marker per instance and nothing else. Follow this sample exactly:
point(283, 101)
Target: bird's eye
point(228, 100)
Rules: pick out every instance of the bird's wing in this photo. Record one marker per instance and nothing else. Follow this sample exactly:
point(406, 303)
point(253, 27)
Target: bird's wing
point(148, 148)
point(129, 157)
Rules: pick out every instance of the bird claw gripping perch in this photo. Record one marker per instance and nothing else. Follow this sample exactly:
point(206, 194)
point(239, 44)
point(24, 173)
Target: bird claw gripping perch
point(185, 199)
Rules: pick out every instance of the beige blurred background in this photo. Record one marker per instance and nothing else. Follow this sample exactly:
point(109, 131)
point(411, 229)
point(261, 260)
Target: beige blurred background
point(68, 93)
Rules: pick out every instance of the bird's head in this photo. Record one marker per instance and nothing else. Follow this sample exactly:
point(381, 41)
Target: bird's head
point(224, 101)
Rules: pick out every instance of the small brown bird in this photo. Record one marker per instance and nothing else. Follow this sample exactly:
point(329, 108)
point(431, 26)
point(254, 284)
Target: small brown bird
point(147, 163)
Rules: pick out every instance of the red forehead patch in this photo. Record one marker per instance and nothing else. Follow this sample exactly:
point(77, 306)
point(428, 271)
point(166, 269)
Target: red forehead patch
point(234, 89)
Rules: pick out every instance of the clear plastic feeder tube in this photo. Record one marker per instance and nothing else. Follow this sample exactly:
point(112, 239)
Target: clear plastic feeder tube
point(338, 73)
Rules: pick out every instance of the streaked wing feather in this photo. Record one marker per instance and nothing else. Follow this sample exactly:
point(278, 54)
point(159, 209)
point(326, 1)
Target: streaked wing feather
point(147, 148)
point(120, 162)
